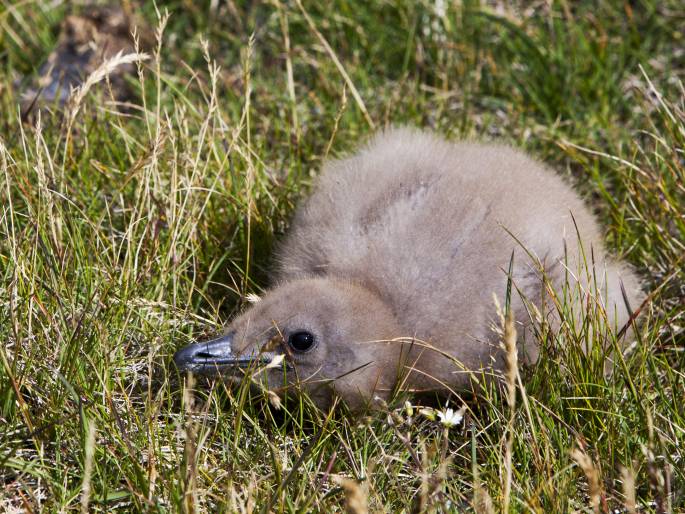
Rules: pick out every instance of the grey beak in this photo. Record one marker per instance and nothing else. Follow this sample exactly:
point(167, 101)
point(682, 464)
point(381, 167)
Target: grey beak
point(213, 357)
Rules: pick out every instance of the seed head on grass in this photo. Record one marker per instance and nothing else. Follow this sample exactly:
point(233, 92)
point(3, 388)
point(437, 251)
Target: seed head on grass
point(108, 66)
point(89, 450)
point(628, 480)
point(511, 356)
point(511, 372)
point(355, 495)
point(482, 501)
point(253, 298)
point(592, 474)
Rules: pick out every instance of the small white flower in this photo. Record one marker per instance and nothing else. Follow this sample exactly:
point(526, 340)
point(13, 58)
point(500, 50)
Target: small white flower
point(451, 418)
point(276, 361)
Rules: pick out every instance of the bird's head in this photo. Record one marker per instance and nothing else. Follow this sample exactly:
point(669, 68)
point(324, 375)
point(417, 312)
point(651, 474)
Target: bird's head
point(325, 336)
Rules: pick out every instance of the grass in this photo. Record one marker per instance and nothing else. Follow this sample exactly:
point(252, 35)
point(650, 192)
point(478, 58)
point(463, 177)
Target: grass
point(124, 236)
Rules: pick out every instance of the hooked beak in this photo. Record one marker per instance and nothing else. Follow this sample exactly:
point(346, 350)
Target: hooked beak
point(215, 356)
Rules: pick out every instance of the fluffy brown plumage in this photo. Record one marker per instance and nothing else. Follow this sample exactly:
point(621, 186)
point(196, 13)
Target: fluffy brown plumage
point(392, 263)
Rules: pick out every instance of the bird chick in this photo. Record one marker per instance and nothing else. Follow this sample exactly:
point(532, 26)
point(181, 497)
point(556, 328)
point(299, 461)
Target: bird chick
point(386, 278)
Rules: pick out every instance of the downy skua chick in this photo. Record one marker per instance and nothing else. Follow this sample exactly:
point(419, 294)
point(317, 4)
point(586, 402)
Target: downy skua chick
point(388, 273)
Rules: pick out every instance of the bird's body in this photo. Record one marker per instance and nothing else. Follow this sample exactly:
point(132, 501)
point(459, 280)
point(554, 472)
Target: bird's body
point(393, 262)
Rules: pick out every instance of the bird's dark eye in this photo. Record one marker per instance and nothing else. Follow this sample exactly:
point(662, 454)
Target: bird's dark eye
point(301, 341)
